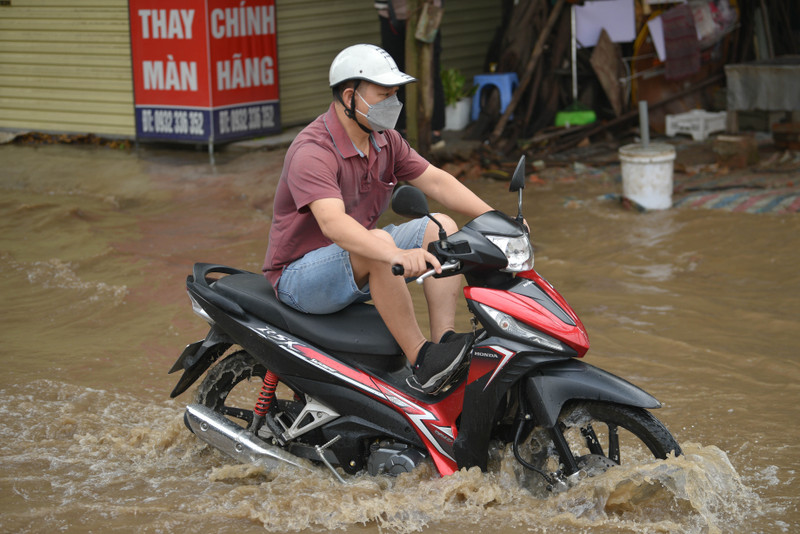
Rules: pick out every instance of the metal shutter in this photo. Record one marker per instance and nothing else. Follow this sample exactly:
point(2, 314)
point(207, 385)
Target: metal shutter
point(310, 34)
point(468, 27)
point(66, 67)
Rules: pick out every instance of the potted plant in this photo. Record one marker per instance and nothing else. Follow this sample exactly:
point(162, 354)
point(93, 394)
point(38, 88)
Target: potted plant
point(457, 99)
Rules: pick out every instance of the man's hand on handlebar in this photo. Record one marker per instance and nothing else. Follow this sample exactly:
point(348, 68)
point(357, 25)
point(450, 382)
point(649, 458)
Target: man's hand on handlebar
point(412, 263)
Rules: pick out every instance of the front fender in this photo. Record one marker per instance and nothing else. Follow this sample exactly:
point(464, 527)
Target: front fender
point(497, 365)
point(552, 385)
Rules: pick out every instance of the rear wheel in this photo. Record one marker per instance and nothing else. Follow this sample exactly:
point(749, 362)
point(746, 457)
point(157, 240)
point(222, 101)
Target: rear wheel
point(217, 389)
point(596, 436)
point(232, 388)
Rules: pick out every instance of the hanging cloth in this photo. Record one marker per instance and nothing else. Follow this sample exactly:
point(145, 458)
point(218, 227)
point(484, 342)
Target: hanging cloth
point(680, 42)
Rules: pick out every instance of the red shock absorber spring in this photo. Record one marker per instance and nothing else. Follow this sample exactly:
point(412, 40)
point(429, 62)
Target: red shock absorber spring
point(267, 394)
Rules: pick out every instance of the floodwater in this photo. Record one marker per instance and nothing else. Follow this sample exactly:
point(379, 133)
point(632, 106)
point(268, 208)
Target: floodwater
point(701, 308)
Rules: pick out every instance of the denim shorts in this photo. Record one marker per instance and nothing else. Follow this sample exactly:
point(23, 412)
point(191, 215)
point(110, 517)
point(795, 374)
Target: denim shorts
point(322, 280)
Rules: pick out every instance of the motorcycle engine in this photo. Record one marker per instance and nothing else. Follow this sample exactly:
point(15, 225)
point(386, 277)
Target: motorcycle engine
point(393, 458)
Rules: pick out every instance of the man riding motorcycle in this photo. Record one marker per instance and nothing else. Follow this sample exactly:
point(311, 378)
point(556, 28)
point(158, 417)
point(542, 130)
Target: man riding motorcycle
point(347, 402)
point(325, 251)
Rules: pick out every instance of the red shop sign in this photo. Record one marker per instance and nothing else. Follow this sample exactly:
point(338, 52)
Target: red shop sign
point(204, 70)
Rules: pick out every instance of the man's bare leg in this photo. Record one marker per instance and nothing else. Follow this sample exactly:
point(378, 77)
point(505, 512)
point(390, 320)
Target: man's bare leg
point(392, 300)
point(441, 293)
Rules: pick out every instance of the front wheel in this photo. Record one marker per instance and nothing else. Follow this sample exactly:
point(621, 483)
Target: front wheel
point(593, 436)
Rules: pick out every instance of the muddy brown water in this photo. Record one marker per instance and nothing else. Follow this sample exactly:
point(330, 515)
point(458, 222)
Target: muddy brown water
point(700, 308)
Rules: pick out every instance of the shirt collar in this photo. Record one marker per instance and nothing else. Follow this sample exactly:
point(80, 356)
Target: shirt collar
point(344, 145)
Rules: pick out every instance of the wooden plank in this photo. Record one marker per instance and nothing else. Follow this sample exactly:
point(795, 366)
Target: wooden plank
point(63, 120)
point(8, 24)
point(573, 136)
point(65, 59)
point(111, 114)
point(123, 131)
point(529, 68)
point(58, 12)
point(115, 50)
point(124, 127)
point(56, 71)
point(93, 86)
point(86, 106)
point(53, 36)
point(606, 61)
point(83, 4)
point(316, 22)
point(60, 94)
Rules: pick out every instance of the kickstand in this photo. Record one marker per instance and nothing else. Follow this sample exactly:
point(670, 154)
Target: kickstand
point(321, 452)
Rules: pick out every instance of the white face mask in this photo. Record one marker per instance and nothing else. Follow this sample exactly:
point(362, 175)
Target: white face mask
point(383, 115)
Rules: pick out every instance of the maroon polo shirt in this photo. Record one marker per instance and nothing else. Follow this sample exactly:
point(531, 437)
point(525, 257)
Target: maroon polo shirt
point(322, 162)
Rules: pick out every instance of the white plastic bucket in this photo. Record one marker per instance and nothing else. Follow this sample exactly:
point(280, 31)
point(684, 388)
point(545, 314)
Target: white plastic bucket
point(456, 116)
point(647, 174)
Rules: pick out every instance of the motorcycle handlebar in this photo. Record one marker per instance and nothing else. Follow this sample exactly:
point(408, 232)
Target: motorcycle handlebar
point(398, 270)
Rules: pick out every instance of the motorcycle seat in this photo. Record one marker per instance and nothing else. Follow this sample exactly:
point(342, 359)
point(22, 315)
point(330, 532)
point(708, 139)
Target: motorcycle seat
point(356, 330)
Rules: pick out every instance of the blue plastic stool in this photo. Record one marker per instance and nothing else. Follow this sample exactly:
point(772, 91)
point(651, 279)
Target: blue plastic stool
point(505, 82)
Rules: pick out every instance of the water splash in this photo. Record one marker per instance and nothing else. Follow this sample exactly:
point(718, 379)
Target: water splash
point(58, 274)
point(99, 452)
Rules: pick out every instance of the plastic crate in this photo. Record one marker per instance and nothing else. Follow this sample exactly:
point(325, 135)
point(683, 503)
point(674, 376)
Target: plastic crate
point(698, 123)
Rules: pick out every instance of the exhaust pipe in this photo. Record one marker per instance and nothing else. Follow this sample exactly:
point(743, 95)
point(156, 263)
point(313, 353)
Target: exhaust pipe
point(235, 441)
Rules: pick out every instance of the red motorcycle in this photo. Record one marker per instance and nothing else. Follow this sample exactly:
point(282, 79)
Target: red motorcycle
point(333, 387)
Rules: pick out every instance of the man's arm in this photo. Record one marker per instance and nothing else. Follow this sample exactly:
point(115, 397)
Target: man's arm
point(444, 188)
point(353, 237)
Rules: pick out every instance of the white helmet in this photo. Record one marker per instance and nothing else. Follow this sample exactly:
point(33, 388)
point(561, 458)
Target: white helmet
point(367, 62)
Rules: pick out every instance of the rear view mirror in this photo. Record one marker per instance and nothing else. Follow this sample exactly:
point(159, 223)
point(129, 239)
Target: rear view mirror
point(409, 201)
point(518, 178)
point(518, 184)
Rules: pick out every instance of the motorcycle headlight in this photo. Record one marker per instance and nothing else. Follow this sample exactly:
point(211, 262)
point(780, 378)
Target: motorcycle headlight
point(518, 251)
point(517, 329)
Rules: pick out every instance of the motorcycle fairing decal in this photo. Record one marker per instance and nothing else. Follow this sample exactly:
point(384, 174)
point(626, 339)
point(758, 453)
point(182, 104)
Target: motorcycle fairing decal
point(548, 288)
point(328, 365)
point(532, 313)
point(447, 430)
point(419, 416)
point(488, 359)
point(505, 355)
point(424, 419)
